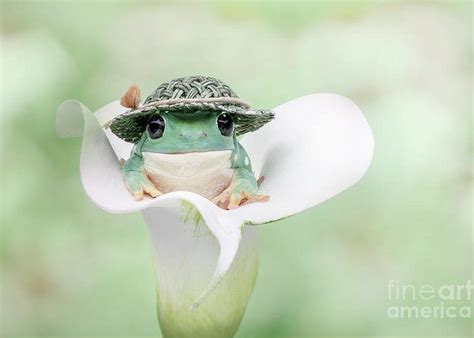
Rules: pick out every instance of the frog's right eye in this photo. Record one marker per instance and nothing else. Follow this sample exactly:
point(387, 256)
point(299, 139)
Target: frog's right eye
point(156, 127)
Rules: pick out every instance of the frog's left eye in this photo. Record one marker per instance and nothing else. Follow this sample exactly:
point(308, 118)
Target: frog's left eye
point(225, 124)
point(156, 127)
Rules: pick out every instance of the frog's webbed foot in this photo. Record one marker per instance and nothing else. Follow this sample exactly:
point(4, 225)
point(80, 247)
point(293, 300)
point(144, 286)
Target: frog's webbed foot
point(139, 184)
point(238, 194)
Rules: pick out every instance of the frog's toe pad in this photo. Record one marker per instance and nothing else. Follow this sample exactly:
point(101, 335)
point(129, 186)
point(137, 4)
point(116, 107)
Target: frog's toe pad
point(151, 191)
point(138, 195)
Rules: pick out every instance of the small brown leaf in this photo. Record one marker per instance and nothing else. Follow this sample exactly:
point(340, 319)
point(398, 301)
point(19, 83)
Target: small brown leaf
point(131, 99)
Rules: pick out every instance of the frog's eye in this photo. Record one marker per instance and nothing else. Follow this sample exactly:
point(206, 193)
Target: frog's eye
point(225, 124)
point(156, 127)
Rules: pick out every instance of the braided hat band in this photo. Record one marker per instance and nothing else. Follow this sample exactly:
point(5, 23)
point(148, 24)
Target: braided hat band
point(187, 95)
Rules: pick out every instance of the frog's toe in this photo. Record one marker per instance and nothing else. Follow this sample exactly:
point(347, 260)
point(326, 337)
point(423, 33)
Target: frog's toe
point(146, 189)
point(134, 188)
point(235, 200)
point(233, 197)
point(138, 195)
point(257, 198)
point(151, 190)
point(243, 197)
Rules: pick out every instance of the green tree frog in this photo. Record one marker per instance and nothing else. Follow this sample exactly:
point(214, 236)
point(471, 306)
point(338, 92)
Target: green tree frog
point(185, 138)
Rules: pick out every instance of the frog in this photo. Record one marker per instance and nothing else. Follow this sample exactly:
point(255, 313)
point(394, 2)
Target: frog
point(186, 138)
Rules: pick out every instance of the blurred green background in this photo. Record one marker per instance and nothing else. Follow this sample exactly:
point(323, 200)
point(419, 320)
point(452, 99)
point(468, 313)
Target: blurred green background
point(70, 269)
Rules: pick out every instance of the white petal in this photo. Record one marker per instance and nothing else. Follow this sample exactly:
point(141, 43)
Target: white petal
point(184, 257)
point(317, 146)
point(69, 119)
point(99, 166)
point(105, 115)
point(103, 183)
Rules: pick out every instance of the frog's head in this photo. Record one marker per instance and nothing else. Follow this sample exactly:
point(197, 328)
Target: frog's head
point(192, 114)
point(198, 131)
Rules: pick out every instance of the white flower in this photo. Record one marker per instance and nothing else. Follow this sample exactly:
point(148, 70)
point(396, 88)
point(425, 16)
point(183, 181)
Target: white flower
point(317, 146)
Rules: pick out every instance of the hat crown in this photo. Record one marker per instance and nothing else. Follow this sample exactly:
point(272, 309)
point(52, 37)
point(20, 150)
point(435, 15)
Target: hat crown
point(191, 87)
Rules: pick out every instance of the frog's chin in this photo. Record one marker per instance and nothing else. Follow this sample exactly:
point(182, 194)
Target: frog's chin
point(206, 173)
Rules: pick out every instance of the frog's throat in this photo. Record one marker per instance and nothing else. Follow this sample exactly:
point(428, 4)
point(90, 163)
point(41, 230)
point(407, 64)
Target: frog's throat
point(205, 173)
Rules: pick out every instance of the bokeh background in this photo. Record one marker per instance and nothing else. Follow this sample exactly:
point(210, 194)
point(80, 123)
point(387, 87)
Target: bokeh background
point(71, 270)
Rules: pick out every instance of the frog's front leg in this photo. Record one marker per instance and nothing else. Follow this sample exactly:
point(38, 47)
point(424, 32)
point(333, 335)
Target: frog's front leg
point(242, 189)
point(136, 179)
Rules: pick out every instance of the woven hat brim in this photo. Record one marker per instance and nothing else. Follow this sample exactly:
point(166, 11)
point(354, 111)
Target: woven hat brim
point(131, 125)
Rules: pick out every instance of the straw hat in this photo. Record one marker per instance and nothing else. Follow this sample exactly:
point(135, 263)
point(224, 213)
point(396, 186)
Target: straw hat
point(188, 95)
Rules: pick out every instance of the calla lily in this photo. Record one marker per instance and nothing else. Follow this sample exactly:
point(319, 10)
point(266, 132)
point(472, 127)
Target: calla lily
point(317, 146)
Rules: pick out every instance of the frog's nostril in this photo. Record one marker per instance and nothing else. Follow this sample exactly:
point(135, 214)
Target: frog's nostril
point(181, 135)
point(204, 133)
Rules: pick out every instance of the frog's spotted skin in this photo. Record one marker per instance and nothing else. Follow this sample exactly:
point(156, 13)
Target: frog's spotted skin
point(190, 145)
point(240, 158)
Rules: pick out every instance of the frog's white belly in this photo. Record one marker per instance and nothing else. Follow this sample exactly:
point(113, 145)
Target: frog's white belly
point(204, 173)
